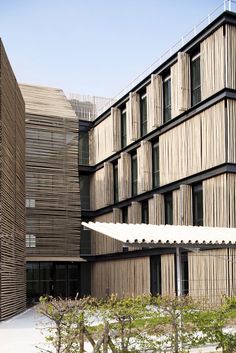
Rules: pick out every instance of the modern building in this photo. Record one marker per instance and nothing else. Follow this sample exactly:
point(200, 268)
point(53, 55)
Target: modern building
point(165, 153)
point(12, 194)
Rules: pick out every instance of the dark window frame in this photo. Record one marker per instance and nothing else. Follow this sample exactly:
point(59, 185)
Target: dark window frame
point(155, 171)
point(116, 182)
point(143, 113)
point(134, 181)
point(169, 208)
point(145, 212)
point(124, 211)
point(167, 98)
point(195, 87)
point(197, 199)
point(123, 127)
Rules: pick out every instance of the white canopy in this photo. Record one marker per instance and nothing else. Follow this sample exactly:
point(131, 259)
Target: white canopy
point(148, 234)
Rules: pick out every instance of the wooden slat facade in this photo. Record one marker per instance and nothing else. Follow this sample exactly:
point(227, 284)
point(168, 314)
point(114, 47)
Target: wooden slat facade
point(121, 277)
point(52, 187)
point(12, 199)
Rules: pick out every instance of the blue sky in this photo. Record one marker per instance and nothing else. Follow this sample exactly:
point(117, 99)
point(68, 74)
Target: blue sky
point(93, 46)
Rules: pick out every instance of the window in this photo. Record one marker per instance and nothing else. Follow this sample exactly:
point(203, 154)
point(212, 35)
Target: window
point(145, 212)
point(30, 241)
point(195, 79)
point(155, 165)
point(197, 205)
point(134, 174)
point(30, 203)
point(168, 208)
point(143, 114)
point(167, 99)
point(125, 214)
point(123, 128)
point(116, 190)
point(83, 148)
point(84, 181)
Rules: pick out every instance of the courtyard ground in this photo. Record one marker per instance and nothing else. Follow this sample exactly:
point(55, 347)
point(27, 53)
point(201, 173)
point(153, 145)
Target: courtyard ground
point(22, 333)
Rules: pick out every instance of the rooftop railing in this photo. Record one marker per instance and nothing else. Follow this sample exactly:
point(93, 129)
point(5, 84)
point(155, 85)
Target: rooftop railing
point(229, 5)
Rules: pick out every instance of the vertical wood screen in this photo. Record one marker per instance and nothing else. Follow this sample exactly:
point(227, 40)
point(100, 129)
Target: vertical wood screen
point(124, 176)
point(212, 63)
point(231, 113)
point(117, 215)
point(101, 141)
point(231, 56)
point(12, 185)
point(155, 102)
point(219, 205)
point(134, 213)
point(144, 158)
point(102, 244)
point(180, 85)
point(121, 277)
point(168, 274)
point(97, 189)
point(156, 208)
point(196, 143)
point(133, 117)
point(208, 274)
point(52, 173)
point(182, 205)
point(116, 129)
point(108, 184)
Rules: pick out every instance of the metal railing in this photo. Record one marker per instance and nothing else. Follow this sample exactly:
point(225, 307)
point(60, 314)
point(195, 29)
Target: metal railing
point(90, 107)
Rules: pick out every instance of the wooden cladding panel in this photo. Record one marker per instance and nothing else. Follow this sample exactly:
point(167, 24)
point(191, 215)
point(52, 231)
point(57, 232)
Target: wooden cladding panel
point(156, 209)
point(117, 215)
point(182, 205)
point(102, 244)
point(219, 205)
point(231, 56)
point(212, 63)
point(168, 275)
point(124, 176)
point(52, 181)
point(97, 189)
point(121, 277)
point(108, 184)
point(231, 113)
point(133, 117)
point(155, 102)
point(196, 143)
point(101, 140)
point(180, 85)
point(135, 213)
point(208, 274)
point(116, 129)
point(12, 196)
point(144, 157)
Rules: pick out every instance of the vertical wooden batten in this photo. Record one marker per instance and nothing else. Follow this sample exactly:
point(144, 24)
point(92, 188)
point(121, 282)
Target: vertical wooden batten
point(144, 158)
point(155, 102)
point(12, 199)
point(133, 117)
point(212, 63)
point(108, 184)
point(156, 208)
point(124, 176)
point(134, 213)
point(116, 129)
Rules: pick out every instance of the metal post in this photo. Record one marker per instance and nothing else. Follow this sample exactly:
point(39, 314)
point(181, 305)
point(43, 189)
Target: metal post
point(179, 271)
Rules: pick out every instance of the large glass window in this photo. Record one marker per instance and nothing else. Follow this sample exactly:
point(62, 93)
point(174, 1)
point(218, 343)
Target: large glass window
point(195, 79)
point(116, 187)
point(155, 165)
point(168, 208)
point(134, 170)
point(167, 99)
point(125, 214)
point(145, 212)
point(123, 128)
point(143, 114)
point(197, 205)
point(83, 148)
point(84, 191)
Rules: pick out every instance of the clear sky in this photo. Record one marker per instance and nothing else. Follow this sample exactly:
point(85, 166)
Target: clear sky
point(93, 46)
